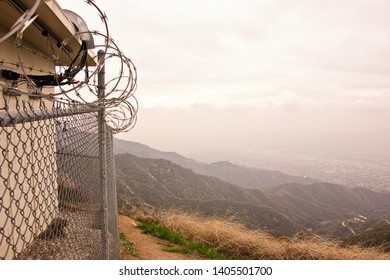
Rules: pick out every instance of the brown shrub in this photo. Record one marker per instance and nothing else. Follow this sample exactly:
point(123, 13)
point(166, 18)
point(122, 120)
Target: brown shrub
point(235, 240)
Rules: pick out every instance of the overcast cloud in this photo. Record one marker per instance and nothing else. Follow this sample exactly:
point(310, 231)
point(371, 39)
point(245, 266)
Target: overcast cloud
point(232, 73)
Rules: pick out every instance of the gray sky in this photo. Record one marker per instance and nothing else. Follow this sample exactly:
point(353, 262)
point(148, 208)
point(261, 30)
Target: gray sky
point(256, 74)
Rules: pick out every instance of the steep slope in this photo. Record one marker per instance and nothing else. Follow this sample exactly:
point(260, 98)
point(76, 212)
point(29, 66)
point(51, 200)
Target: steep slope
point(258, 216)
point(330, 209)
point(163, 184)
point(178, 182)
point(322, 208)
point(226, 171)
point(374, 200)
point(144, 151)
point(378, 236)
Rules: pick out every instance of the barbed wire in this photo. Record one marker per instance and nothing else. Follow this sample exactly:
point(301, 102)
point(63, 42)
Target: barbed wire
point(76, 83)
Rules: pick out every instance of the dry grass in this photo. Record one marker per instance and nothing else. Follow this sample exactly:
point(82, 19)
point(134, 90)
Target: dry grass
point(238, 242)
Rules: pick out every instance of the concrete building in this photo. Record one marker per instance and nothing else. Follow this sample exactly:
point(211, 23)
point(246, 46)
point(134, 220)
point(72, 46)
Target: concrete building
point(28, 175)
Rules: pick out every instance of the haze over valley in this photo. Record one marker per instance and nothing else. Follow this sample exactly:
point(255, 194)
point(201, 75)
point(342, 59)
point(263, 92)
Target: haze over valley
point(359, 169)
point(348, 167)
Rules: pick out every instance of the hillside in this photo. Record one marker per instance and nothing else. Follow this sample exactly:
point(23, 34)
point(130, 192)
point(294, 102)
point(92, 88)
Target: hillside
point(235, 174)
point(235, 240)
point(322, 208)
point(373, 237)
point(173, 235)
point(163, 184)
point(330, 209)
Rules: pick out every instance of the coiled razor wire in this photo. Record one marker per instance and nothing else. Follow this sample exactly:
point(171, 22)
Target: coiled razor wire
point(22, 23)
point(68, 84)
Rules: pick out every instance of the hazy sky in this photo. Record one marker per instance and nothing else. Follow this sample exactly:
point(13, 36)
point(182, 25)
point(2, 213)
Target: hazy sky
point(255, 74)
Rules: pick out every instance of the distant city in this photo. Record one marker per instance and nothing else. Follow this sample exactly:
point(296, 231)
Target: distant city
point(348, 169)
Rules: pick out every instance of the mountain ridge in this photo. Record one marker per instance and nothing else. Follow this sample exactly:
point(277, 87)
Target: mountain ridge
point(286, 209)
point(243, 176)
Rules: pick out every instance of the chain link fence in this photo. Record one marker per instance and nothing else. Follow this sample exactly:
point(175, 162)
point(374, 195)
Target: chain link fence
point(59, 110)
point(57, 182)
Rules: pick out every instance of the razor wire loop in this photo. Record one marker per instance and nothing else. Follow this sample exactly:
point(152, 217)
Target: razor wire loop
point(23, 22)
point(50, 207)
point(67, 86)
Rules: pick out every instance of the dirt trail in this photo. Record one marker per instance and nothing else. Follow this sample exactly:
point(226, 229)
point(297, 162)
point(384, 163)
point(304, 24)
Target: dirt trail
point(147, 247)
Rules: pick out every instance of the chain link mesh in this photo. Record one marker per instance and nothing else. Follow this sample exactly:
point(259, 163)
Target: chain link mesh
point(51, 183)
point(57, 119)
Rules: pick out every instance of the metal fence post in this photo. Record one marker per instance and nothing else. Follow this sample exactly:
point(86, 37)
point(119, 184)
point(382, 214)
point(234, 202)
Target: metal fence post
point(103, 157)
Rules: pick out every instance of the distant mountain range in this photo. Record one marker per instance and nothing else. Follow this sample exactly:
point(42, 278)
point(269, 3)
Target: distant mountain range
point(235, 174)
point(283, 209)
